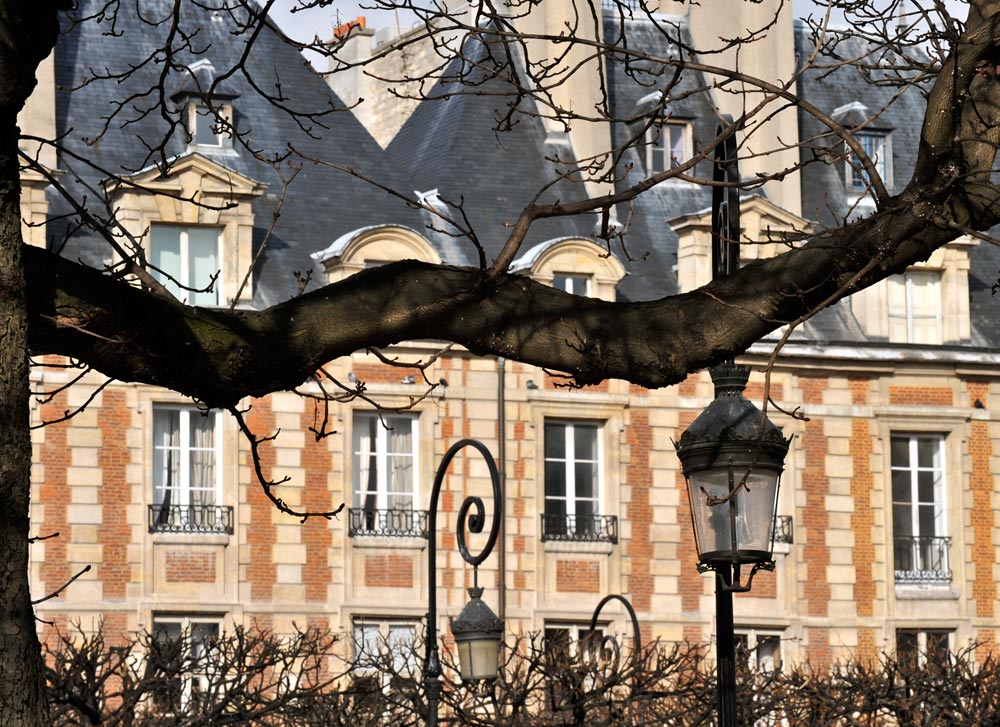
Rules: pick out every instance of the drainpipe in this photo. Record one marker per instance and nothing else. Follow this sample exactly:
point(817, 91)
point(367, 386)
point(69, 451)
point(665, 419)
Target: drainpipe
point(502, 466)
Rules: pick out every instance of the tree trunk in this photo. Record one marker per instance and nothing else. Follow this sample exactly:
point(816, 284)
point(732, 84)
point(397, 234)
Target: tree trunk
point(22, 698)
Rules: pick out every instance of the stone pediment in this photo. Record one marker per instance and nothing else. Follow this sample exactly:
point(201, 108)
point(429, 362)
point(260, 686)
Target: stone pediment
point(192, 176)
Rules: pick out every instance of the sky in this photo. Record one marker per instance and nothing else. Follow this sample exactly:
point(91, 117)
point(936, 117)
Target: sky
point(321, 21)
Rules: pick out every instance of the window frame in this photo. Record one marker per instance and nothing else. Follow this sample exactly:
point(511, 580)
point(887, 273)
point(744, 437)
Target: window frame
point(752, 638)
point(923, 654)
point(183, 488)
point(568, 282)
point(223, 137)
point(186, 289)
point(188, 678)
point(654, 138)
point(858, 184)
point(569, 462)
point(382, 456)
point(384, 626)
point(939, 501)
point(907, 312)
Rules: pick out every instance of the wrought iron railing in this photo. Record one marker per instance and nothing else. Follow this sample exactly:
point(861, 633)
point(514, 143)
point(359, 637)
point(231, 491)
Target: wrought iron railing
point(784, 529)
point(922, 559)
point(364, 522)
point(581, 528)
point(190, 519)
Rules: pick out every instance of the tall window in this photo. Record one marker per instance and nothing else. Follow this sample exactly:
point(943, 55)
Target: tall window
point(919, 518)
point(915, 307)
point(178, 657)
point(572, 283)
point(876, 146)
point(667, 146)
point(187, 483)
point(760, 649)
point(379, 641)
point(186, 260)
point(923, 647)
point(385, 484)
point(573, 483)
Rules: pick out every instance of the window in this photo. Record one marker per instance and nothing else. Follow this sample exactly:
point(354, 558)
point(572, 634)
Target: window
point(876, 146)
point(385, 486)
point(918, 509)
point(376, 640)
point(206, 127)
point(915, 307)
point(923, 647)
point(573, 284)
point(187, 484)
point(667, 146)
point(186, 261)
point(566, 641)
point(573, 484)
point(760, 649)
point(178, 656)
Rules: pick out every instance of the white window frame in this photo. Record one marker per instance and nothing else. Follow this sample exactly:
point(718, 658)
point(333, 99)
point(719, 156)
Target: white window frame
point(221, 136)
point(940, 490)
point(382, 458)
point(656, 134)
point(385, 625)
point(754, 638)
point(572, 283)
point(921, 634)
point(189, 287)
point(183, 488)
point(570, 460)
point(858, 184)
point(186, 621)
point(907, 311)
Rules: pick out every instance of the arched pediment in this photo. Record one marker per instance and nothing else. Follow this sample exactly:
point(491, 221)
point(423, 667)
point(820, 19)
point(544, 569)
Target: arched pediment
point(372, 245)
point(573, 256)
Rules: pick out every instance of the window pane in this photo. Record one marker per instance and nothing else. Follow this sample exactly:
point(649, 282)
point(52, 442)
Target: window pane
point(204, 132)
point(555, 480)
point(366, 645)
point(928, 453)
point(676, 140)
point(925, 486)
point(927, 520)
point(768, 653)
point(203, 263)
point(586, 480)
point(585, 441)
point(401, 646)
point(555, 441)
point(901, 487)
point(906, 647)
point(166, 458)
point(165, 256)
point(900, 452)
point(365, 462)
point(902, 521)
point(937, 648)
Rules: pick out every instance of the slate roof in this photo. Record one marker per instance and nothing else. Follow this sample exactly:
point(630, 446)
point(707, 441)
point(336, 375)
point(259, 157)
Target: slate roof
point(449, 144)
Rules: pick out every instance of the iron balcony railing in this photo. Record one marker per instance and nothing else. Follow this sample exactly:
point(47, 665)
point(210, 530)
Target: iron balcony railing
point(922, 559)
point(784, 530)
point(363, 522)
point(190, 519)
point(580, 528)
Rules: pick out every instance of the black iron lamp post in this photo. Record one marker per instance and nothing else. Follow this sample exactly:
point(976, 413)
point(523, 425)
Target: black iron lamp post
point(478, 631)
point(732, 457)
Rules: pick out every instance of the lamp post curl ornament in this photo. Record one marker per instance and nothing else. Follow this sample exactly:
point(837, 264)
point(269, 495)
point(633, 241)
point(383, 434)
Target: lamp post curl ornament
point(477, 630)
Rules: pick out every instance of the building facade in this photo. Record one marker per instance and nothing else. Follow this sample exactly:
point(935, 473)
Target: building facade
point(887, 513)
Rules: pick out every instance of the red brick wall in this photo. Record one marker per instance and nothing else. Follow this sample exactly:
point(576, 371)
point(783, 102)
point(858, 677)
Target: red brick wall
point(316, 533)
point(389, 571)
point(114, 533)
point(863, 517)
point(816, 555)
point(54, 494)
point(184, 566)
point(920, 396)
point(689, 584)
point(578, 576)
point(260, 532)
point(639, 476)
point(984, 588)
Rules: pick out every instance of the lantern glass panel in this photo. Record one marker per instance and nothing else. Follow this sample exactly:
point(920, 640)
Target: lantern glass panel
point(751, 511)
point(478, 658)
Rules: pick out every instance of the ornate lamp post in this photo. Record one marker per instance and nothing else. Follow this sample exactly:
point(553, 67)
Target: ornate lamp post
point(732, 457)
point(477, 630)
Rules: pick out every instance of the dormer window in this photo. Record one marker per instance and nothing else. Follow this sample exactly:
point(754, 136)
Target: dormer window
point(572, 283)
point(915, 307)
point(876, 147)
point(205, 126)
point(206, 107)
point(668, 145)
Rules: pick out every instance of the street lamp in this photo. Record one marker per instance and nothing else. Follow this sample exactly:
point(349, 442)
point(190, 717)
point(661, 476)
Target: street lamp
point(477, 630)
point(732, 457)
